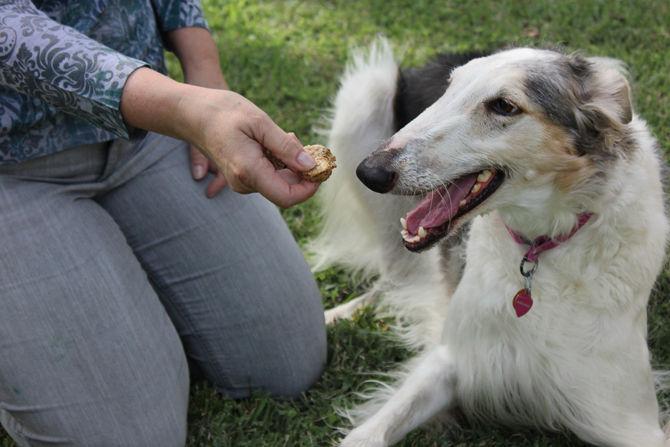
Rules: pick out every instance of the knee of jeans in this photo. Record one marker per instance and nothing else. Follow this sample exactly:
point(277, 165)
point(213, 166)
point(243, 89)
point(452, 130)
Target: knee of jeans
point(299, 360)
point(301, 372)
point(289, 377)
point(285, 368)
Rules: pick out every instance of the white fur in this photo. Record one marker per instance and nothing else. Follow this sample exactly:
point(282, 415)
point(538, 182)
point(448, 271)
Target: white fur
point(355, 233)
point(579, 359)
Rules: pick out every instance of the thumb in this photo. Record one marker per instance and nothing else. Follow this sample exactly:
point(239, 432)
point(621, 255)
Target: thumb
point(285, 146)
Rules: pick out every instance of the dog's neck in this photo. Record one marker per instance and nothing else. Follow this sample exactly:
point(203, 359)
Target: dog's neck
point(552, 217)
point(538, 206)
point(544, 210)
point(530, 225)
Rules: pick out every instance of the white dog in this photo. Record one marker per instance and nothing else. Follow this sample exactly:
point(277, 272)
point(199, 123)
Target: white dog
point(543, 189)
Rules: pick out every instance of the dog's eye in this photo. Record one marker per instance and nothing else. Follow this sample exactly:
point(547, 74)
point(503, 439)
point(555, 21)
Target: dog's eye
point(503, 107)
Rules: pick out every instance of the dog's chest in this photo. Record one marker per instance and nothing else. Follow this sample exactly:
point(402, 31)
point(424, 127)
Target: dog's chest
point(580, 278)
point(587, 317)
point(508, 365)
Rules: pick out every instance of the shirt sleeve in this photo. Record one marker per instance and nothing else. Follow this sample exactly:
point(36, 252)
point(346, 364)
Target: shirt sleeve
point(174, 14)
point(44, 59)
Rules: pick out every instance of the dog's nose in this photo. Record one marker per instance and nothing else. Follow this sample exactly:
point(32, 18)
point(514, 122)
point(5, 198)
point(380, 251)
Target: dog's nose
point(375, 176)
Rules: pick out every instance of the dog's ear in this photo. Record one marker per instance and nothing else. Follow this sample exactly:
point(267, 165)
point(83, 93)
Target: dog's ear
point(604, 103)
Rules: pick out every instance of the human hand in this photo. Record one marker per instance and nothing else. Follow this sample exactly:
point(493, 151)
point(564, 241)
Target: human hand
point(234, 134)
point(227, 128)
point(199, 58)
point(228, 132)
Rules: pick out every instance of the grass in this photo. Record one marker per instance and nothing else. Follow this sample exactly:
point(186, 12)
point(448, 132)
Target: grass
point(286, 57)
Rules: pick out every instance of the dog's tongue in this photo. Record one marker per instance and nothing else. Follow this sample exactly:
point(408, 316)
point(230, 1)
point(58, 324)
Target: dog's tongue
point(440, 205)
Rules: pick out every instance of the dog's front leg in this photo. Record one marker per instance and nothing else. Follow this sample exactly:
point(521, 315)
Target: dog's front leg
point(428, 389)
point(347, 310)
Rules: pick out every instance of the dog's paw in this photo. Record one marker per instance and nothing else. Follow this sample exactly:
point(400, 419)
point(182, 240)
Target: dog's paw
point(331, 316)
point(362, 439)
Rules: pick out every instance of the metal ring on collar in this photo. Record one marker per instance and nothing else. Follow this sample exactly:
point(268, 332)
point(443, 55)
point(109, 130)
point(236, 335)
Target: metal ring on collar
point(527, 273)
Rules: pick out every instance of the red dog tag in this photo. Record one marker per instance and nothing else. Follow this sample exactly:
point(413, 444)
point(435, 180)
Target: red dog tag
point(522, 302)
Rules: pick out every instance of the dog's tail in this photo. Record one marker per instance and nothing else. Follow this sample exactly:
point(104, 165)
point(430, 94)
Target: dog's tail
point(361, 228)
point(355, 219)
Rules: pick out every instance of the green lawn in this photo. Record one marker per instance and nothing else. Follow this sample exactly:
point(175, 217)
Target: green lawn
point(286, 56)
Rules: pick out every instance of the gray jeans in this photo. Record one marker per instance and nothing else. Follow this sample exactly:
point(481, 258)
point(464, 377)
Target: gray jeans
point(114, 269)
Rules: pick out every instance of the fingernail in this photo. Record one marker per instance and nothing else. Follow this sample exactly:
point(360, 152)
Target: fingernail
point(198, 172)
point(305, 160)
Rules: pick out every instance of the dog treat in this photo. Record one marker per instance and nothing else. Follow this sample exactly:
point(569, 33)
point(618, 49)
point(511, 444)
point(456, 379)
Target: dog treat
point(325, 163)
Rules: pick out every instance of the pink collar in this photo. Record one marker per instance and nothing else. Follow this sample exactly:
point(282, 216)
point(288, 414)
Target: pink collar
point(523, 300)
point(544, 243)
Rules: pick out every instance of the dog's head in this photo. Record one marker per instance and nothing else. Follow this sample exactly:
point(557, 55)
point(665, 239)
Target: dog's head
point(513, 130)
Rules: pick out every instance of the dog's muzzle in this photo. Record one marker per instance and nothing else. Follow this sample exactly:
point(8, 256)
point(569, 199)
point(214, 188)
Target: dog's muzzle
point(376, 173)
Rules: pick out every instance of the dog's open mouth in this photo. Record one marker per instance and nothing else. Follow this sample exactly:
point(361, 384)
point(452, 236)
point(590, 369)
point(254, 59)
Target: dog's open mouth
point(436, 215)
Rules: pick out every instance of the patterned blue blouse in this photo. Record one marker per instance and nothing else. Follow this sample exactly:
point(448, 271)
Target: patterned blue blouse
point(63, 65)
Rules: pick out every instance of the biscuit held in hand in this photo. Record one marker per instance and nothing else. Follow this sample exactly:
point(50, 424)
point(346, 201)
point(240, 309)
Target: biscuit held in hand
point(325, 163)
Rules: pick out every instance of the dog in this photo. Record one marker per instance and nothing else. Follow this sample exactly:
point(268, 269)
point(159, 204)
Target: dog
point(511, 205)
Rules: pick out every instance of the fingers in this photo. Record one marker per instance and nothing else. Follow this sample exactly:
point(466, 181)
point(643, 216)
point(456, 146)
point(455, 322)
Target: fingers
point(289, 176)
point(216, 185)
point(284, 146)
point(199, 164)
point(284, 188)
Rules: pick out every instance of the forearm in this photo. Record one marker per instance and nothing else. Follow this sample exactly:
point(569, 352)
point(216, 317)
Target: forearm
point(199, 57)
point(154, 102)
point(229, 130)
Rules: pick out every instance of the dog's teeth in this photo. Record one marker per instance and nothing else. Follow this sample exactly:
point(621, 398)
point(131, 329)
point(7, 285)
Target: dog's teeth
point(422, 232)
point(407, 237)
point(463, 202)
point(403, 222)
point(477, 187)
point(484, 176)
